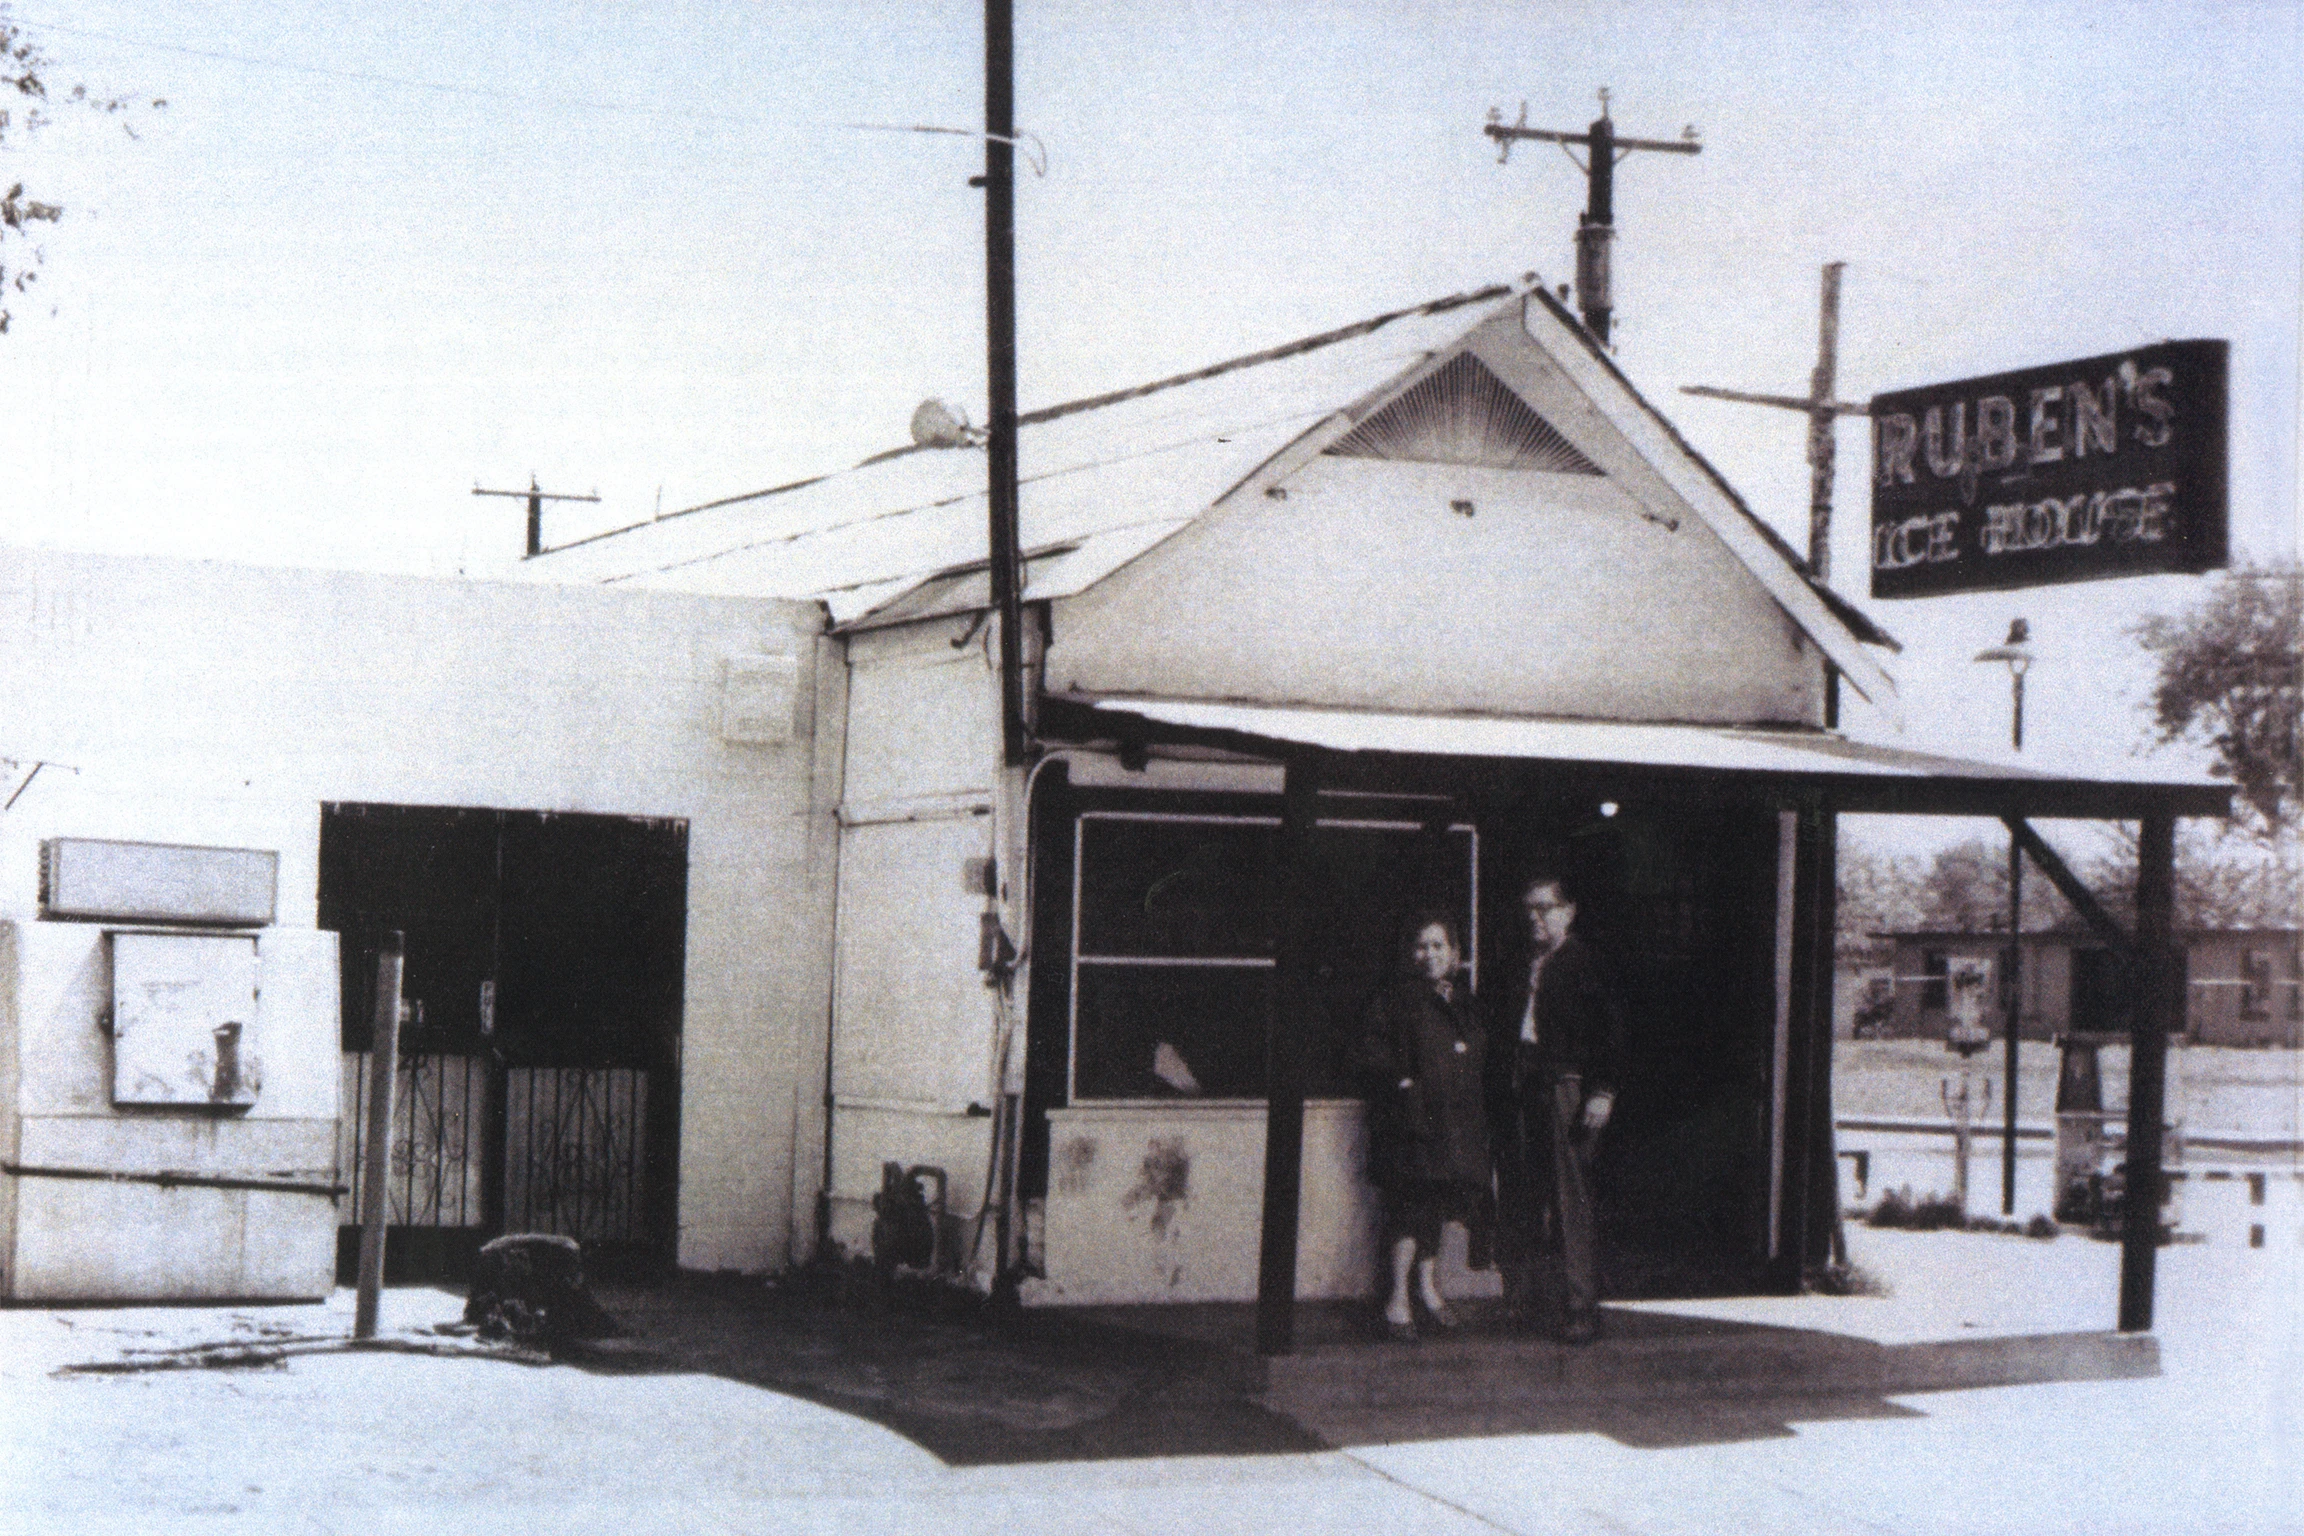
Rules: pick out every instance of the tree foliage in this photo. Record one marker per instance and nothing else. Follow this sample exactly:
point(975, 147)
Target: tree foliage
point(2229, 681)
point(1965, 890)
point(1878, 893)
point(2224, 878)
point(27, 105)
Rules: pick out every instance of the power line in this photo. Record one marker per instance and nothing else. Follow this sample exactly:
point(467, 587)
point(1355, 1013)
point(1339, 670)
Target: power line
point(1036, 153)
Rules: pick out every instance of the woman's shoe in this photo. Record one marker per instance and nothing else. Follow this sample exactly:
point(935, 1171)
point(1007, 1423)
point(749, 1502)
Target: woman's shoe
point(1443, 1318)
point(1401, 1333)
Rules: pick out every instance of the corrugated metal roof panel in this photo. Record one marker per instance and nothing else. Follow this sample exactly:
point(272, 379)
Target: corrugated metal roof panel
point(1608, 743)
point(1160, 453)
point(1059, 571)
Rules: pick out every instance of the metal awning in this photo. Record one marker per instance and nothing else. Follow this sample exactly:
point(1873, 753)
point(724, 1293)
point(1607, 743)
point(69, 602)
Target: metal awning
point(1857, 776)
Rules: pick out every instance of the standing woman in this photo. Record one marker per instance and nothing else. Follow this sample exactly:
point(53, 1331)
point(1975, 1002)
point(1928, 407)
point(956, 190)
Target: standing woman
point(1421, 1052)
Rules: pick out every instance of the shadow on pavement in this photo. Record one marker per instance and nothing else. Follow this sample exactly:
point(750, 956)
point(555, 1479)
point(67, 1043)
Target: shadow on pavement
point(977, 1386)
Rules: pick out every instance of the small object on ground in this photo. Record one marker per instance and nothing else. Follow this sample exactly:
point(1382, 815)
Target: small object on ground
point(903, 1222)
point(529, 1287)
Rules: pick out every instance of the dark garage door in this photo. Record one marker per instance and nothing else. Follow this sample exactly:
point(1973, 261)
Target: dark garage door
point(538, 1085)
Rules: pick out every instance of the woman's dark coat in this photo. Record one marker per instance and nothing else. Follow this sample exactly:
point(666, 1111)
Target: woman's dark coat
point(1436, 1127)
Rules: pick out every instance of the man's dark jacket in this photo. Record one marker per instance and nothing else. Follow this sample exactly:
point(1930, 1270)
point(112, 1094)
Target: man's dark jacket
point(1579, 1024)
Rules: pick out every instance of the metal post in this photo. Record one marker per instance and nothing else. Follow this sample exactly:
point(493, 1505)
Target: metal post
point(1000, 347)
point(2016, 715)
point(376, 1150)
point(2148, 1066)
point(1284, 1066)
point(2013, 1015)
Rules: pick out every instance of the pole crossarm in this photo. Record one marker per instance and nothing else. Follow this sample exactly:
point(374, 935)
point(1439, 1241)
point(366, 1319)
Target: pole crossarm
point(1789, 402)
point(2084, 902)
point(1505, 133)
point(536, 499)
point(1597, 228)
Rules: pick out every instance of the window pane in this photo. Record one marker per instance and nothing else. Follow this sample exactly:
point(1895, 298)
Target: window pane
point(1175, 888)
point(1211, 1018)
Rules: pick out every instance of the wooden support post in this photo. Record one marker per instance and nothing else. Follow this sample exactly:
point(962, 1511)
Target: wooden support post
point(376, 1147)
point(1284, 1065)
point(2156, 1011)
point(1811, 1196)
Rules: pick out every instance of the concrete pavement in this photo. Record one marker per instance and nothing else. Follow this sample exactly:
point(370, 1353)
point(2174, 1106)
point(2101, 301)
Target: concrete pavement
point(1051, 1435)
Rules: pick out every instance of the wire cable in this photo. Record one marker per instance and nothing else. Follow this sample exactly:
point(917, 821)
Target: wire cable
point(1035, 151)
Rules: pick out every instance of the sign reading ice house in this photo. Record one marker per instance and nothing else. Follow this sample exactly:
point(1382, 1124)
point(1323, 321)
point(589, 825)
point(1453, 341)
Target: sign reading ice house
point(2110, 466)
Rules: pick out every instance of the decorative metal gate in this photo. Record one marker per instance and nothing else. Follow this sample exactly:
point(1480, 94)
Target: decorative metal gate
point(536, 1089)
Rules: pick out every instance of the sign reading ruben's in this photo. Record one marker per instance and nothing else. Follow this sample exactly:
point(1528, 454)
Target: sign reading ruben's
point(2110, 466)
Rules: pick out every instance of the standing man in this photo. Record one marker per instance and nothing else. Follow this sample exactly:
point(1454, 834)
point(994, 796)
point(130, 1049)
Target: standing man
point(1554, 1050)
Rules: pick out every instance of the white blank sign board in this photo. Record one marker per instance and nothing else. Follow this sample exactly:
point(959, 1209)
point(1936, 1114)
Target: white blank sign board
point(184, 1019)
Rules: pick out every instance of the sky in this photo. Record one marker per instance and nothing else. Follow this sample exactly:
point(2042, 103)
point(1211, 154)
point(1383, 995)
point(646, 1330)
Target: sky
point(370, 255)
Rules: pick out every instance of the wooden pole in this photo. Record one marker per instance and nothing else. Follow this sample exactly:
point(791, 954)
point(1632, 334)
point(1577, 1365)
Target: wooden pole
point(1007, 574)
point(1811, 1163)
point(376, 1150)
point(1821, 412)
point(1284, 1066)
point(2148, 1066)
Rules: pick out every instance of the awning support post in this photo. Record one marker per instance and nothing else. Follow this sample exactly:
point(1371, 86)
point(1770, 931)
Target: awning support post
point(1812, 1202)
point(1284, 1063)
point(2156, 1010)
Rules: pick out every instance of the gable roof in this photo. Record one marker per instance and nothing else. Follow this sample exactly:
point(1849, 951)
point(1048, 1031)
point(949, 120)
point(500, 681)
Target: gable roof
point(1107, 477)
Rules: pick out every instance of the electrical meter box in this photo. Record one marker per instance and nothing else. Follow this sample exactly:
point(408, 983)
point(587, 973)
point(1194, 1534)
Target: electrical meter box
point(168, 1113)
point(184, 1019)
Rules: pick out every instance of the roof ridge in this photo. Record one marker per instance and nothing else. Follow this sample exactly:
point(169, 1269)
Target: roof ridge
point(1049, 413)
point(1269, 355)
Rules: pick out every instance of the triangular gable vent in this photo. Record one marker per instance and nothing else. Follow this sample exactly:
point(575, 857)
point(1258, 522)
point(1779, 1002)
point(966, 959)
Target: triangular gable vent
point(1463, 414)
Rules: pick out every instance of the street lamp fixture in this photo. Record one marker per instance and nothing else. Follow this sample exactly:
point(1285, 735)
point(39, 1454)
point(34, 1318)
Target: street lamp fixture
point(2016, 651)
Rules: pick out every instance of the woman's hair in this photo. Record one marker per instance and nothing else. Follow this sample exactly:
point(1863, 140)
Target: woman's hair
point(1413, 928)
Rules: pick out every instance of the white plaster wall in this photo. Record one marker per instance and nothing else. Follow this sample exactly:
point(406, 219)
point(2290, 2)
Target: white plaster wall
point(1165, 1202)
point(73, 1240)
point(213, 704)
point(1364, 587)
point(914, 1032)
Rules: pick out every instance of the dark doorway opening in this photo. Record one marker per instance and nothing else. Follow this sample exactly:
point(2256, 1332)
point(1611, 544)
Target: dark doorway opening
point(538, 1088)
point(1678, 901)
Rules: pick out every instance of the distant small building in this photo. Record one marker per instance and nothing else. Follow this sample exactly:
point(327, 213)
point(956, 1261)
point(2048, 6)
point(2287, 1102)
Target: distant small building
point(2243, 986)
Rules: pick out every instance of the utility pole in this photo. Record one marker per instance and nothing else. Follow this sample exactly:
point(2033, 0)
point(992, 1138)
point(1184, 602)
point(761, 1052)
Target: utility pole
point(536, 500)
point(1596, 230)
point(1821, 410)
point(999, 183)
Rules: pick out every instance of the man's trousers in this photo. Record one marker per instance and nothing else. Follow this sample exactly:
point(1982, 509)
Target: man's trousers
point(1544, 1197)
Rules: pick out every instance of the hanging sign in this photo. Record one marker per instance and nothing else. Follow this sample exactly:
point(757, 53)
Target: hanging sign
point(2109, 466)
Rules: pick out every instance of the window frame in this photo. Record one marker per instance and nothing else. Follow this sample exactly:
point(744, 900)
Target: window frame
point(1076, 959)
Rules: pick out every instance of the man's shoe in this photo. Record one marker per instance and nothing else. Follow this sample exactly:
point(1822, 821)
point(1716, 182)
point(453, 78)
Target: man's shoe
point(1580, 1328)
